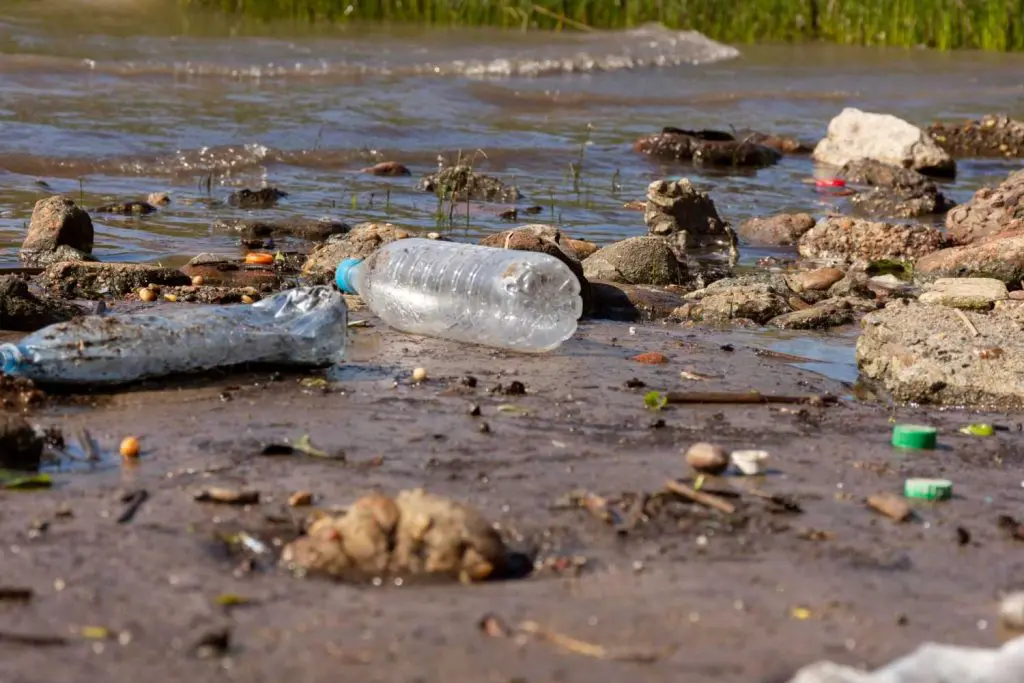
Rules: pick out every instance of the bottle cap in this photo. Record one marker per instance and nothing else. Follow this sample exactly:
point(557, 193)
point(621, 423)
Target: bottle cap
point(343, 275)
point(913, 436)
point(11, 359)
point(928, 489)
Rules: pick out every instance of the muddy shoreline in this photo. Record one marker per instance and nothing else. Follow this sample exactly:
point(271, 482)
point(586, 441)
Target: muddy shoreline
point(723, 603)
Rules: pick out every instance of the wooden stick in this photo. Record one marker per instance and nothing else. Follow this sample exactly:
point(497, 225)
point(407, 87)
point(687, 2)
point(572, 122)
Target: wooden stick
point(967, 322)
point(706, 499)
point(743, 397)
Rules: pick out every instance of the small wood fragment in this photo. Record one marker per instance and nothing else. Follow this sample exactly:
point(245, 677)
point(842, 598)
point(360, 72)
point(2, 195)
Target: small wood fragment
point(967, 322)
point(705, 499)
point(228, 496)
point(890, 505)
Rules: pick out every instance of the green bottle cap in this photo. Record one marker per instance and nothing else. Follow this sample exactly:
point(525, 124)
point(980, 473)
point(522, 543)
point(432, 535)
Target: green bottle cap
point(913, 436)
point(928, 489)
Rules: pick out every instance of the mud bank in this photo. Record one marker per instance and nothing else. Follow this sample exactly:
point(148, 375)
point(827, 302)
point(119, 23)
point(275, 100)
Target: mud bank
point(750, 596)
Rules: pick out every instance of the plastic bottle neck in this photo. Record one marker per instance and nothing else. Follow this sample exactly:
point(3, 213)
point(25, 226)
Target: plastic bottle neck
point(346, 275)
point(11, 359)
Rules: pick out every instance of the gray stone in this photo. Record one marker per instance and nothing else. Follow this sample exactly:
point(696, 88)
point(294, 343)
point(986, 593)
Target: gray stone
point(636, 261)
point(855, 134)
point(977, 293)
point(989, 211)
point(930, 355)
point(830, 313)
point(57, 221)
point(675, 207)
point(461, 182)
point(757, 302)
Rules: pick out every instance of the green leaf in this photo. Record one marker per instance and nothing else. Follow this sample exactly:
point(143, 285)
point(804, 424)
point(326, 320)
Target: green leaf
point(24, 482)
point(978, 429)
point(655, 400)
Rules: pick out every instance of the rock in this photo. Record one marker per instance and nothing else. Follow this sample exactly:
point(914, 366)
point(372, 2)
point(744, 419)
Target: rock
point(582, 248)
point(972, 293)
point(544, 239)
point(309, 229)
point(127, 208)
point(675, 207)
point(360, 242)
point(709, 147)
point(758, 302)
point(630, 303)
point(263, 198)
point(898, 192)
point(636, 261)
point(992, 136)
point(20, 447)
point(58, 255)
point(927, 354)
point(22, 311)
point(207, 294)
point(855, 134)
point(57, 222)
point(391, 169)
point(99, 280)
point(707, 458)
point(843, 239)
point(999, 256)
point(779, 143)
point(830, 313)
point(782, 230)
point(227, 271)
point(815, 280)
point(159, 198)
point(462, 183)
point(989, 211)
point(415, 533)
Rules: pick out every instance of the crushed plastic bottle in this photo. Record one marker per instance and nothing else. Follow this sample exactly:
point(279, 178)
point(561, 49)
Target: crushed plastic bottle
point(510, 299)
point(304, 327)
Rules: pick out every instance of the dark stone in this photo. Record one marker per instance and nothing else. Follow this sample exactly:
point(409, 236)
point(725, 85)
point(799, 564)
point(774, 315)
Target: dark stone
point(20, 447)
point(263, 198)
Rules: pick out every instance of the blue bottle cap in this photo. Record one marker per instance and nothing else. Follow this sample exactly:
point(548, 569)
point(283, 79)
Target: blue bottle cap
point(343, 275)
point(11, 359)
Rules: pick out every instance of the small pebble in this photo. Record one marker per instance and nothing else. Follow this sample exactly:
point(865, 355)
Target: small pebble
point(707, 458)
point(246, 299)
point(300, 499)
point(147, 295)
point(171, 297)
point(130, 448)
point(198, 281)
point(419, 375)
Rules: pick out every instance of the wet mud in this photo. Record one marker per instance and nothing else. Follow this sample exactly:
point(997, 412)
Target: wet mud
point(799, 569)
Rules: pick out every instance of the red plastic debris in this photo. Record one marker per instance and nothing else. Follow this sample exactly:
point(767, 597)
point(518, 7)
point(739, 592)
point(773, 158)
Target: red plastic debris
point(830, 182)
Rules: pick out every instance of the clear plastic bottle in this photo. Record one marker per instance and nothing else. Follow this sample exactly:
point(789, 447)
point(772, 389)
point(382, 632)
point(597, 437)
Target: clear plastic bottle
point(517, 300)
point(303, 327)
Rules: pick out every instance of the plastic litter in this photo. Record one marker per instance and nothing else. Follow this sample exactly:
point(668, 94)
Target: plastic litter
point(931, 663)
point(928, 489)
point(517, 300)
point(303, 327)
point(914, 436)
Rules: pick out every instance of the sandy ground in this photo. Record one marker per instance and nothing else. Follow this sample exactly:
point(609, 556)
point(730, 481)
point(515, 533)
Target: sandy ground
point(747, 600)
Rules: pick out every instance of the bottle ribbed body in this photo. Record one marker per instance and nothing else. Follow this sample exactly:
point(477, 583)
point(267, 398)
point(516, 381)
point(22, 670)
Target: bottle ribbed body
point(301, 327)
point(517, 300)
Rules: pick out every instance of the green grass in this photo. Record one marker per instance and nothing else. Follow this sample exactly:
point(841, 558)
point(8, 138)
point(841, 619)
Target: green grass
point(943, 24)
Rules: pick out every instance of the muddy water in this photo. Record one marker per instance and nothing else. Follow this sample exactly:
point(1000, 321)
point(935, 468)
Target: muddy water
point(112, 99)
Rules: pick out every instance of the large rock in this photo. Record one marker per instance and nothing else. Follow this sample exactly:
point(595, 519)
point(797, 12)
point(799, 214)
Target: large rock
point(637, 261)
point(989, 211)
point(928, 354)
point(22, 311)
point(363, 240)
point(461, 182)
point(992, 136)
point(678, 208)
point(304, 228)
point(999, 256)
point(20, 447)
point(844, 239)
point(976, 293)
point(57, 222)
point(782, 230)
point(714, 148)
point(826, 314)
point(855, 134)
point(897, 192)
point(756, 298)
point(85, 280)
point(544, 239)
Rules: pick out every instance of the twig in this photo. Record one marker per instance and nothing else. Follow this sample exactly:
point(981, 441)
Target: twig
point(744, 397)
point(586, 649)
point(706, 499)
point(31, 639)
point(134, 500)
point(967, 321)
point(562, 18)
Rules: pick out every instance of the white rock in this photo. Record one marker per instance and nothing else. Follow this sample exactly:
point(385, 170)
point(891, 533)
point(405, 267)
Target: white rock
point(965, 292)
point(856, 134)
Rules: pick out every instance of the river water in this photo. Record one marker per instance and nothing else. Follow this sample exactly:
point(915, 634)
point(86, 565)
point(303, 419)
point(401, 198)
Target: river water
point(108, 99)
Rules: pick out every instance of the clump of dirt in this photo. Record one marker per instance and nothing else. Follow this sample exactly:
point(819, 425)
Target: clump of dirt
point(461, 183)
point(18, 393)
point(263, 198)
point(414, 533)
